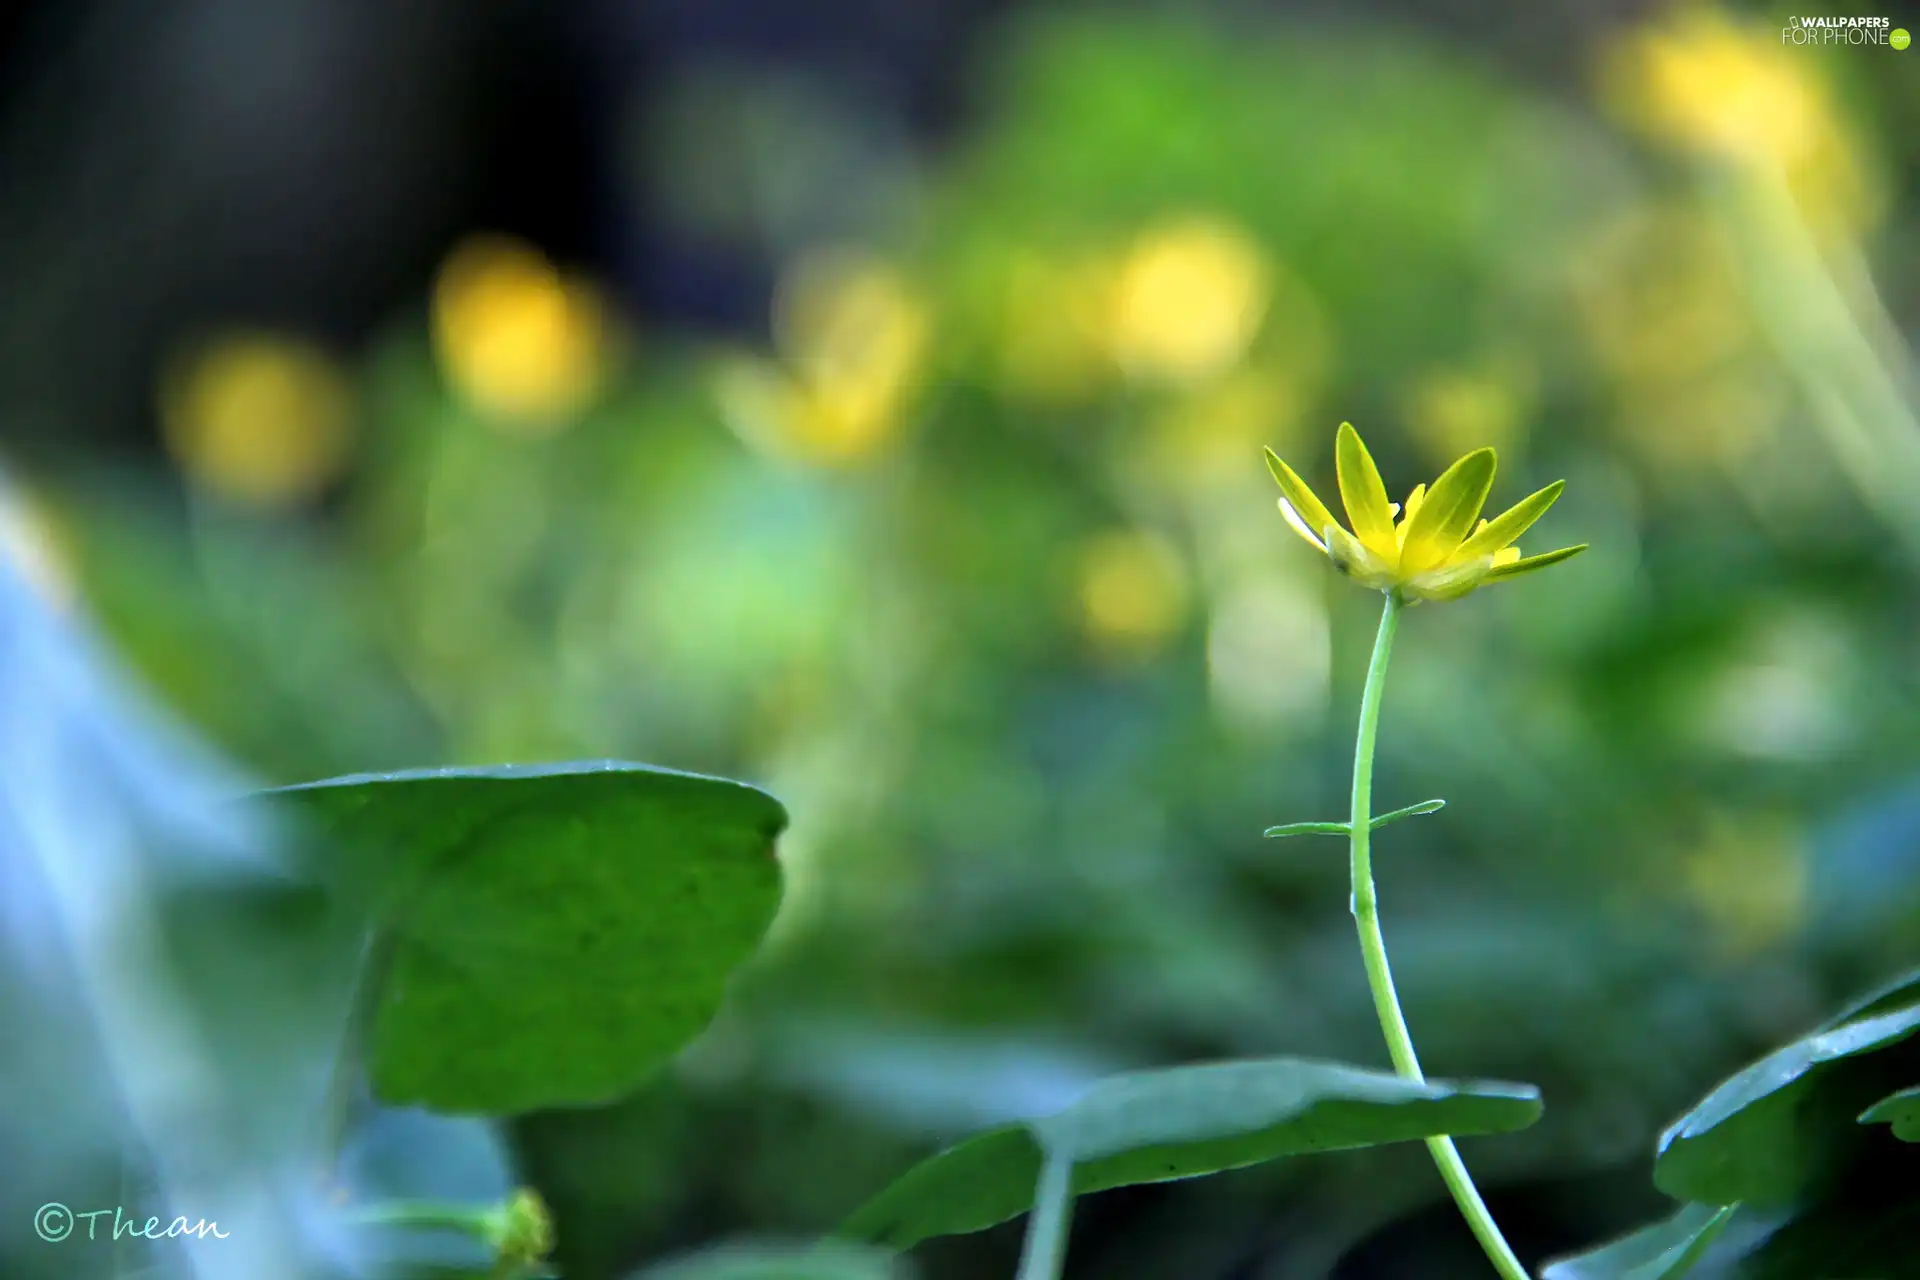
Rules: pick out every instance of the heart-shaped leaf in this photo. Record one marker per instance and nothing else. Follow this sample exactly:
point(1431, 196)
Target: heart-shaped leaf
point(1181, 1122)
point(1664, 1251)
point(551, 933)
point(1771, 1131)
point(1901, 1110)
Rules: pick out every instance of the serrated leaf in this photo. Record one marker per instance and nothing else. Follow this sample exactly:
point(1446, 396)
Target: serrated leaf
point(554, 931)
point(1182, 1122)
point(1664, 1251)
point(1901, 1110)
point(1767, 1133)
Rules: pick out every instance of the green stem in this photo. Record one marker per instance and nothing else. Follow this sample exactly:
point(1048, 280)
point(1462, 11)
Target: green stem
point(1373, 950)
point(1046, 1247)
point(475, 1220)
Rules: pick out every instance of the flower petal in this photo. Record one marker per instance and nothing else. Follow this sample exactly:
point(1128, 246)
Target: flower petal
point(1531, 563)
point(1305, 505)
point(1299, 526)
point(1365, 495)
point(1448, 512)
point(1451, 580)
point(1413, 505)
point(1511, 523)
point(1355, 559)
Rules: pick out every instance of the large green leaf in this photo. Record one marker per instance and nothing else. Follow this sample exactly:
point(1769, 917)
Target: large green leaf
point(1901, 1110)
point(550, 933)
point(1181, 1122)
point(1775, 1129)
point(1664, 1251)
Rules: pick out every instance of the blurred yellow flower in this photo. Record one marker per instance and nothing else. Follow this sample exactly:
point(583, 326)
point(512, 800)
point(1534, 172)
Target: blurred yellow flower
point(521, 342)
point(1662, 304)
point(1186, 300)
point(1703, 83)
point(851, 336)
point(1451, 410)
point(259, 417)
point(1132, 592)
point(1748, 877)
point(1435, 552)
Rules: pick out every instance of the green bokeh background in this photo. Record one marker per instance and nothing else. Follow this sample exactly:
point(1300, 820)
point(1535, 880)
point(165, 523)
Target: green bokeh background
point(1032, 659)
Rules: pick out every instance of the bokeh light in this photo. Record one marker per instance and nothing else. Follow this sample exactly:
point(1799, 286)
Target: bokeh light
point(851, 335)
point(1187, 298)
point(259, 417)
point(523, 343)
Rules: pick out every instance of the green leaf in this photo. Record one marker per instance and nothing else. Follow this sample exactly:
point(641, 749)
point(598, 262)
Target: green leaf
point(1345, 828)
point(1771, 1131)
point(1411, 811)
point(1664, 1251)
point(1901, 1110)
point(1307, 829)
point(1182, 1122)
point(1900, 993)
point(825, 1261)
point(553, 932)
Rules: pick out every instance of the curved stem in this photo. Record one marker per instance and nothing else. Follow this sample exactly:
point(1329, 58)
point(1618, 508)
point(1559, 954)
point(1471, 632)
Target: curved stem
point(1373, 950)
point(1046, 1247)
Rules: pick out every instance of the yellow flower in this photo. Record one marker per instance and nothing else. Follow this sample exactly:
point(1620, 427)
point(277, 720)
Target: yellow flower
point(1435, 552)
point(259, 417)
point(522, 342)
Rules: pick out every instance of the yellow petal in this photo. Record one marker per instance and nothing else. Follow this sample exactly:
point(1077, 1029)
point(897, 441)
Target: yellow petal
point(1450, 581)
point(1357, 560)
point(1365, 495)
point(1511, 523)
point(1299, 526)
point(1447, 512)
point(1530, 563)
point(1414, 500)
point(1311, 511)
point(1505, 555)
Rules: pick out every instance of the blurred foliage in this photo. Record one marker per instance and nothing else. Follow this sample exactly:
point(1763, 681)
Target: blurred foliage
point(976, 566)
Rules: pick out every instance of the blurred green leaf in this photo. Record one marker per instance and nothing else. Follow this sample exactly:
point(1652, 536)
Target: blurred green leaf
point(812, 1262)
point(1182, 1122)
point(609, 1173)
point(1663, 1251)
point(253, 631)
point(1901, 993)
point(554, 931)
point(1901, 1110)
point(1772, 1130)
